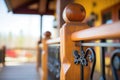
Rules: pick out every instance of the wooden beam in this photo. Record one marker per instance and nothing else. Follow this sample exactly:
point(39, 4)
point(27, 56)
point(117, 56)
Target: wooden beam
point(24, 8)
point(42, 6)
point(30, 11)
point(25, 5)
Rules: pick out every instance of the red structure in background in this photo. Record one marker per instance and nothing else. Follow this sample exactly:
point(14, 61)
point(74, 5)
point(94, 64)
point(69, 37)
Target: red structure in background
point(11, 53)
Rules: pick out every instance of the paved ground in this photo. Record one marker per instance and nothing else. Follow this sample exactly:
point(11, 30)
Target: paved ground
point(20, 72)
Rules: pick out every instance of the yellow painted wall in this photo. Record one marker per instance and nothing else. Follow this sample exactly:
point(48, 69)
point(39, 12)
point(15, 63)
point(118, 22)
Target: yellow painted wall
point(101, 5)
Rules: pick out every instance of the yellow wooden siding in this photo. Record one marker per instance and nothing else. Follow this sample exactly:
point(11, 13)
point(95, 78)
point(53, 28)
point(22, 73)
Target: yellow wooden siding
point(100, 5)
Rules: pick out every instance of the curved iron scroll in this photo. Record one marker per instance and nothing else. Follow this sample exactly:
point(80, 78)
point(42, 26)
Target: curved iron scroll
point(84, 58)
point(115, 63)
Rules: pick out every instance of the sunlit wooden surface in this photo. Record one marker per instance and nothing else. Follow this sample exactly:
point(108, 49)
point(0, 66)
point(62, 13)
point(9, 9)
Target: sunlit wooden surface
point(101, 32)
point(69, 70)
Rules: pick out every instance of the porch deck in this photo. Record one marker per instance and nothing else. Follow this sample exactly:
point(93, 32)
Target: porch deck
point(20, 72)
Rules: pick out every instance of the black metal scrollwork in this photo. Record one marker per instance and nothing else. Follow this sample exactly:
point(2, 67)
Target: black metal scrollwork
point(85, 57)
point(115, 63)
point(54, 62)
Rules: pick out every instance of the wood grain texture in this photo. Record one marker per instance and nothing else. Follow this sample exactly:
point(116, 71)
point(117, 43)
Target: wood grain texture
point(42, 6)
point(107, 31)
point(74, 12)
point(69, 70)
point(44, 60)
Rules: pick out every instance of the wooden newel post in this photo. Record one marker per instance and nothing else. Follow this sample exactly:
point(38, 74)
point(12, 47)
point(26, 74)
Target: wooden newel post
point(44, 55)
point(73, 15)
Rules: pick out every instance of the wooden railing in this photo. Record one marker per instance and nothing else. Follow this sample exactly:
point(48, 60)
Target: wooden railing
point(77, 43)
point(107, 31)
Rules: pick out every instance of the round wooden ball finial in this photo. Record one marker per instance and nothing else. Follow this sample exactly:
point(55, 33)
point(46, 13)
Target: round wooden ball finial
point(74, 12)
point(47, 34)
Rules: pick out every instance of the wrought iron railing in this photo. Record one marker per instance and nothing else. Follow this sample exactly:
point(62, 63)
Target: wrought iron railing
point(101, 33)
point(54, 59)
point(54, 62)
point(84, 57)
point(115, 63)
